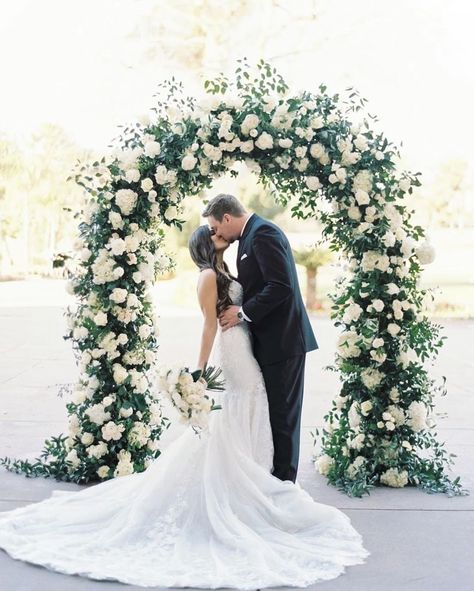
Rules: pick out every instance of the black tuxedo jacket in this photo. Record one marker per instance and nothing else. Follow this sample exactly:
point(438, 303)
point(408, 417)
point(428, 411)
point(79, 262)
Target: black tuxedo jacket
point(271, 295)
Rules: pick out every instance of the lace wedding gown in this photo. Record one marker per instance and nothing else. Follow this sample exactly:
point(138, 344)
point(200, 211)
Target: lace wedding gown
point(207, 513)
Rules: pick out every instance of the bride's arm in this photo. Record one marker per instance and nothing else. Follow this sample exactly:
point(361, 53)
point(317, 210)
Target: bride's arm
point(207, 296)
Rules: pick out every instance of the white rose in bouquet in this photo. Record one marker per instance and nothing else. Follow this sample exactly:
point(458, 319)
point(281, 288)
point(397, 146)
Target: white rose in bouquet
point(300, 151)
point(355, 466)
point(78, 396)
point(317, 150)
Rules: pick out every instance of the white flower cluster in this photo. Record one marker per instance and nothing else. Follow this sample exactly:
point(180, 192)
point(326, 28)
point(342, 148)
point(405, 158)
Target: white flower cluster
point(392, 418)
point(125, 465)
point(394, 478)
point(417, 415)
point(324, 463)
point(139, 434)
point(187, 396)
point(371, 378)
point(372, 259)
point(425, 253)
point(347, 344)
point(355, 467)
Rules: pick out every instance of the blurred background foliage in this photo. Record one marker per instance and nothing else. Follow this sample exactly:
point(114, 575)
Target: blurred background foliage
point(194, 40)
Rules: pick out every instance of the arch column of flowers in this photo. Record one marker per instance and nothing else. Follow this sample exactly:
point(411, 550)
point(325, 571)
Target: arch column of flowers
point(318, 154)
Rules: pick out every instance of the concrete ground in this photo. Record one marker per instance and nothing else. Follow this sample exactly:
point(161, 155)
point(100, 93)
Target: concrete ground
point(417, 541)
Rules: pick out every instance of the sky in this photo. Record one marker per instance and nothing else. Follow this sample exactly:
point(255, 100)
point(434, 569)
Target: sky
point(72, 63)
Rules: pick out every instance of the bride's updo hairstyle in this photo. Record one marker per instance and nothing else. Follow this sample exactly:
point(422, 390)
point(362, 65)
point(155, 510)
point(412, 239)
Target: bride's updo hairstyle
point(203, 253)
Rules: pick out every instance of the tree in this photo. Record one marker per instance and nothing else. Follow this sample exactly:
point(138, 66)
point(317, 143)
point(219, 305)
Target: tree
point(312, 259)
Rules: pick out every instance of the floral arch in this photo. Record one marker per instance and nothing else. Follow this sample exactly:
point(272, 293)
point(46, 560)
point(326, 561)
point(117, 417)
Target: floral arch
point(318, 154)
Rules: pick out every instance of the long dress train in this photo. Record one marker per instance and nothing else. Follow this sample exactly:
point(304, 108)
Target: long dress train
point(207, 513)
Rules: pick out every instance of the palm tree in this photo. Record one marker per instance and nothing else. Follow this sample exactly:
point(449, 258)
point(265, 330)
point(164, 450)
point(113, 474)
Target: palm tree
point(312, 259)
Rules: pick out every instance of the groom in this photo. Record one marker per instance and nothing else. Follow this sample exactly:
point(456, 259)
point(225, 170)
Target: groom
point(277, 318)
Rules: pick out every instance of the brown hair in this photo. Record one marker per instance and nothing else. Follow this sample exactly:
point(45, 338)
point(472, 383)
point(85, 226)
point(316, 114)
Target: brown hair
point(222, 204)
point(203, 253)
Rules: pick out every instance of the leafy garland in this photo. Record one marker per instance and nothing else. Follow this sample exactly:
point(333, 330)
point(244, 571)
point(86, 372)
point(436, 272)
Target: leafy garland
point(307, 150)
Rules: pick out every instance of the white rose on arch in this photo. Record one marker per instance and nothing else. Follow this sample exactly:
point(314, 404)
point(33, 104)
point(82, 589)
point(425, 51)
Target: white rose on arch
point(152, 149)
point(126, 200)
point(188, 162)
point(313, 183)
point(250, 122)
point(425, 253)
point(264, 141)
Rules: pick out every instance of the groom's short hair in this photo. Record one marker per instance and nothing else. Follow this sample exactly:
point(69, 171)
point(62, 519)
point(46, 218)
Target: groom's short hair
point(221, 204)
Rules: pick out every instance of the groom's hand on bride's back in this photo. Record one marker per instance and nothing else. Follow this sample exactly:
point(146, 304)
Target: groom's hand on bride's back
point(228, 318)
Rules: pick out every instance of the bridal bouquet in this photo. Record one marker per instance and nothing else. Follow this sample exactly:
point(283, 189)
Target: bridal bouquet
point(188, 392)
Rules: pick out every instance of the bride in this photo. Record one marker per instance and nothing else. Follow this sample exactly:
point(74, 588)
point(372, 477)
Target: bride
point(207, 512)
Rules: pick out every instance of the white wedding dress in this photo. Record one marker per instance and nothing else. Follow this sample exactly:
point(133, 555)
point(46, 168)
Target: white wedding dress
point(207, 513)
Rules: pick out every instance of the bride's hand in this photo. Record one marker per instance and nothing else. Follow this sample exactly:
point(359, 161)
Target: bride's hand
point(229, 318)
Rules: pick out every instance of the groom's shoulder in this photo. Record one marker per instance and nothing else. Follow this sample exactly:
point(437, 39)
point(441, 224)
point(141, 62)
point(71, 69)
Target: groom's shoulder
point(267, 227)
point(264, 223)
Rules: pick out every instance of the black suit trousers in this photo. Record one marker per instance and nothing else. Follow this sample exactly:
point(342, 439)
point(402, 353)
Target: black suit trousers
point(284, 382)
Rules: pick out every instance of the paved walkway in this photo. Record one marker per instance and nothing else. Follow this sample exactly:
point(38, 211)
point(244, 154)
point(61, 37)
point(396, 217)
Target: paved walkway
point(417, 541)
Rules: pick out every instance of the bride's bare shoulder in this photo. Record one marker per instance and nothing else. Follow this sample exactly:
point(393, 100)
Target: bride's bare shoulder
point(207, 279)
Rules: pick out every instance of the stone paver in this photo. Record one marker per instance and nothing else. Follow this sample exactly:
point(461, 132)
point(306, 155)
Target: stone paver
point(417, 541)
